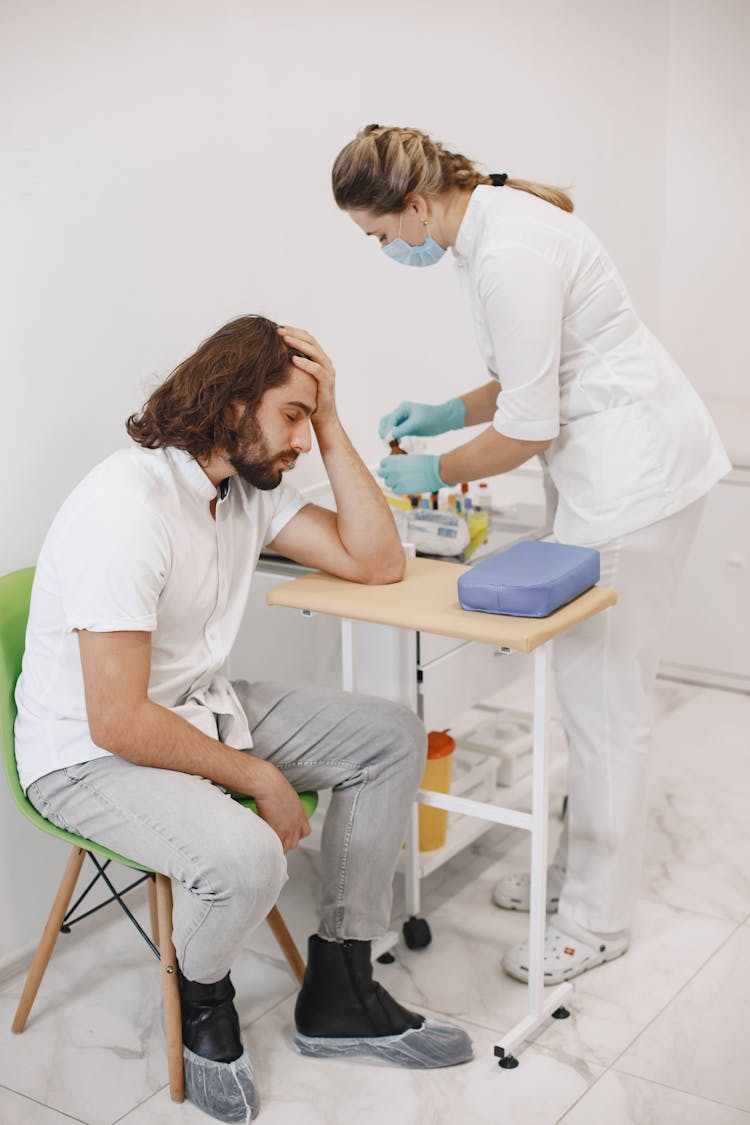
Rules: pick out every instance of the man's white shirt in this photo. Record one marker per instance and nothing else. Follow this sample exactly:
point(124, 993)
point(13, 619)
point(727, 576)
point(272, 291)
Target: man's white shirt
point(134, 547)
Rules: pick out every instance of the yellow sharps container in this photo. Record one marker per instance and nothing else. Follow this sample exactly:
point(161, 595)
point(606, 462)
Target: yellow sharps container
point(433, 823)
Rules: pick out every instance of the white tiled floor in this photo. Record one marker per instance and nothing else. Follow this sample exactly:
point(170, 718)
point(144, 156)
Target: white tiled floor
point(658, 1037)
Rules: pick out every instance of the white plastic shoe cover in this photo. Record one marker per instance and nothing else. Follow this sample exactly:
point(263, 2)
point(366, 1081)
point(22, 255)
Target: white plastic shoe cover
point(512, 892)
point(225, 1091)
point(431, 1045)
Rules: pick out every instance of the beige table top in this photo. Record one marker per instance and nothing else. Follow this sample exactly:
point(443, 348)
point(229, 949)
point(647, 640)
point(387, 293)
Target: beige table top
point(427, 600)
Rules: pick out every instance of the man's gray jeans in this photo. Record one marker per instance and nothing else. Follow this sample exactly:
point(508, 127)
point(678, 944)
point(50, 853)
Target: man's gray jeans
point(226, 864)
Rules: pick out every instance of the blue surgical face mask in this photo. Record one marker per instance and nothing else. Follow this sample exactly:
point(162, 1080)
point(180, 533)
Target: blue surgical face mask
point(407, 255)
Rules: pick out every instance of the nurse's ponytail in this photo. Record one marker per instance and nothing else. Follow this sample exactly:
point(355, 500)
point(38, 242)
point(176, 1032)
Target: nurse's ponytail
point(384, 164)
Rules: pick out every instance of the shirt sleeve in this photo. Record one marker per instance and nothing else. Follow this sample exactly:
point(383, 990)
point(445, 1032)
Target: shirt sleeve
point(287, 501)
point(521, 294)
point(112, 560)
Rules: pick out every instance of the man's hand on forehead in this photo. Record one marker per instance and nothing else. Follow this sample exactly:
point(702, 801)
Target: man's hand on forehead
point(314, 361)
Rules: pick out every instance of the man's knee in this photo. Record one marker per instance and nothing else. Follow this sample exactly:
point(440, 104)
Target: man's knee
point(248, 864)
point(261, 871)
point(404, 736)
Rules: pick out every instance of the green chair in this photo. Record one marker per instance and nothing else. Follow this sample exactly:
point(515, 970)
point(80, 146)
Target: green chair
point(15, 595)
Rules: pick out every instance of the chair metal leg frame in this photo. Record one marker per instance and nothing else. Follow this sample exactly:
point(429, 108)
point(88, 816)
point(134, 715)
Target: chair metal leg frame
point(119, 898)
point(116, 896)
point(160, 908)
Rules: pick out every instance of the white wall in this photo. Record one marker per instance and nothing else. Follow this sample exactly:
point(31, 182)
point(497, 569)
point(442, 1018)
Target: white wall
point(169, 166)
point(707, 244)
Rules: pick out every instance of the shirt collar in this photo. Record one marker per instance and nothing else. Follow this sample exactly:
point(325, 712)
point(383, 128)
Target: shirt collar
point(191, 474)
point(466, 237)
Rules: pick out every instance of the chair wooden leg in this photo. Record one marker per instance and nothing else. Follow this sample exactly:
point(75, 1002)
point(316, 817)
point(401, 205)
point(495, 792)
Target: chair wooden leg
point(286, 943)
point(170, 989)
point(152, 909)
point(49, 937)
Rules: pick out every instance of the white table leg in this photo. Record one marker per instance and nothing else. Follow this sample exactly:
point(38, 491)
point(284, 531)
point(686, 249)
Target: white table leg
point(539, 816)
point(411, 866)
point(347, 654)
point(541, 1007)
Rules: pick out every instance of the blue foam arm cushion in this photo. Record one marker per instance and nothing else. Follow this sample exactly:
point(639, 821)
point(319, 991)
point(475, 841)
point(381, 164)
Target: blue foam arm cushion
point(532, 579)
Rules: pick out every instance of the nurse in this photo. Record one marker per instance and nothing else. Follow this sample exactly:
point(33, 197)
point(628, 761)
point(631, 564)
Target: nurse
point(628, 450)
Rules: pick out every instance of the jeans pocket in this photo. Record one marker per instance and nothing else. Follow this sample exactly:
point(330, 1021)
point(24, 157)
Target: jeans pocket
point(75, 774)
point(39, 802)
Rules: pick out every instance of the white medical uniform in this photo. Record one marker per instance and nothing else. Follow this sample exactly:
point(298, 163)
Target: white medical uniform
point(633, 453)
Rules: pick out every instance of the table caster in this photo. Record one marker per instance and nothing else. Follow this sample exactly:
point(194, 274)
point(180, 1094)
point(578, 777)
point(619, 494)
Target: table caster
point(416, 932)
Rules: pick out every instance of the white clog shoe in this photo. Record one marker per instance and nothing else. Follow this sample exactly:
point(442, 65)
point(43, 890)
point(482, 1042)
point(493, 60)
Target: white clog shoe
point(512, 891)
point(565, 957)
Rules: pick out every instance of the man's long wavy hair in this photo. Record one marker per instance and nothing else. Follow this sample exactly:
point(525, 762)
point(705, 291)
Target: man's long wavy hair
point(190, 410)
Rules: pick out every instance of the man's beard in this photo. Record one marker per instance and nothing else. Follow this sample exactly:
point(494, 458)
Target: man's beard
point(253, 461)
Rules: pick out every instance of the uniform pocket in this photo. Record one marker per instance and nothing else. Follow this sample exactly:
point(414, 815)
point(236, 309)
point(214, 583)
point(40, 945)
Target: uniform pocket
point(603, 462)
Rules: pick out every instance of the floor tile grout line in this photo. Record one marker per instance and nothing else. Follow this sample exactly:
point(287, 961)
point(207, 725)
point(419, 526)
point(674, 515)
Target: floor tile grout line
point(680, 990)
point(696, 913)
point(585, 1094)
point(43, 1105)
point(148, 1098)
point(679, 1090)
point(649, 1082)
point(612, 1068)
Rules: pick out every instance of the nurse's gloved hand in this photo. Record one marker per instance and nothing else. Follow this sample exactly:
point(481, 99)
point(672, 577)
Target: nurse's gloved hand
point(409, 473)
point(422, 419)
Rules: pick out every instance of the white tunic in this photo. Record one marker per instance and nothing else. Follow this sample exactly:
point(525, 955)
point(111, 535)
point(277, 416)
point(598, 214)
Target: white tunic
point(633, 442)
point(134, 547)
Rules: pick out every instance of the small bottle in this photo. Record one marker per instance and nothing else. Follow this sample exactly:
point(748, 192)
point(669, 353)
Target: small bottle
point(395, 449)
point(483, 502)
point(466, 500)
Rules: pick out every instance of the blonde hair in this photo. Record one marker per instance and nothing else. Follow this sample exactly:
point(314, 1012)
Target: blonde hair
point(384, 164)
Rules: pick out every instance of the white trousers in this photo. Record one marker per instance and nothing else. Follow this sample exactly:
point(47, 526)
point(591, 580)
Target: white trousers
point(605, 670)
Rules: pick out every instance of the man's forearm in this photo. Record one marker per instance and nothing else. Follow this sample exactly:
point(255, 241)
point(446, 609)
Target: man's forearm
point(151, 735)
point(486, 455)
point(365, 524)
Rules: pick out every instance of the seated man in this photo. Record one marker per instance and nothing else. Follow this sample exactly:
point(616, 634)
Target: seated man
point(129, 733)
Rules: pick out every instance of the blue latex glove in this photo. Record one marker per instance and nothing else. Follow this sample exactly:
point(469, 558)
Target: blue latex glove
point(423, 419)
point(411, 473)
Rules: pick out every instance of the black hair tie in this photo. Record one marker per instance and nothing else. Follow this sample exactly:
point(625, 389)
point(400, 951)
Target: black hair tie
point(498, 178)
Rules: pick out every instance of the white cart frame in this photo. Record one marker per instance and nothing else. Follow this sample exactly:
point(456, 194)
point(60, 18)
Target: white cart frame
point(541, 1007)
point(426, 601)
